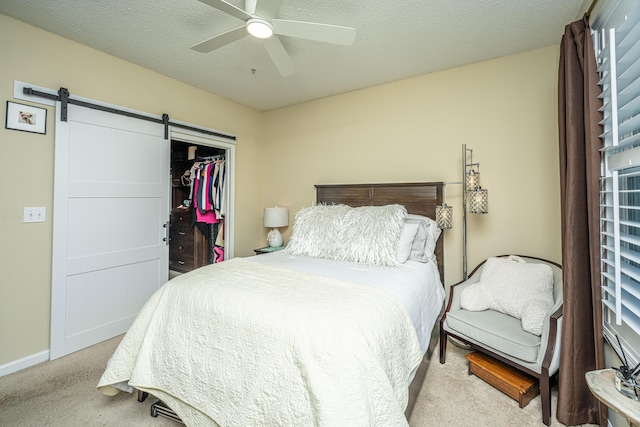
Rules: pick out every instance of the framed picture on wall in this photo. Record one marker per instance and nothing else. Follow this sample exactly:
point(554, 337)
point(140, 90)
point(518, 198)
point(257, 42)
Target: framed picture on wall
point(26, 118)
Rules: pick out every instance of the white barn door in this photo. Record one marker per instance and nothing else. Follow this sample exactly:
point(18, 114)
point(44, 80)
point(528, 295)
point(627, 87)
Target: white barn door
point(110, 205)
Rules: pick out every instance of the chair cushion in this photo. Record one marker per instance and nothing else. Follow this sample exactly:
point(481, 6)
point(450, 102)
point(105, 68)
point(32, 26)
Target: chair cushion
point(494, 330)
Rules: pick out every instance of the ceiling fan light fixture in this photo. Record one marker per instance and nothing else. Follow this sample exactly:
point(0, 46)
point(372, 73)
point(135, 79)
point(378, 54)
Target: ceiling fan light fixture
point(259, 28)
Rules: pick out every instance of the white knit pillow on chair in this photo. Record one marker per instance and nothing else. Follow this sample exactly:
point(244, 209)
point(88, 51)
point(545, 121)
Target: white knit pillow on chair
point(514, 287)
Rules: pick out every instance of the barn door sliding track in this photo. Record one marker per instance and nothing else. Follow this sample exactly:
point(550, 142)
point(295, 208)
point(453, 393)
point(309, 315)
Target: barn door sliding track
point(65, 99)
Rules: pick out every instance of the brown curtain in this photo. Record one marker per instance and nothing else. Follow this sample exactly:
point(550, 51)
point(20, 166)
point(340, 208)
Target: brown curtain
point(582, 347)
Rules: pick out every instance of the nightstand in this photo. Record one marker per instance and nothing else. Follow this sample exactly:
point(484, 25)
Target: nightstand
point(268, 249)
point(602, 386)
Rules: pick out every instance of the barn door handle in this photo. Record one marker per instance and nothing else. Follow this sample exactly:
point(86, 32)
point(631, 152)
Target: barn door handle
point(166, 232)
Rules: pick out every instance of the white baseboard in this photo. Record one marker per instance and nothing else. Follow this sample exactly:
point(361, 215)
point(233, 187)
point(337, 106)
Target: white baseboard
point(25, 362)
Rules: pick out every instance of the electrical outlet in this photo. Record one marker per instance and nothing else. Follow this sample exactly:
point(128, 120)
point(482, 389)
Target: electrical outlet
point(35, 214)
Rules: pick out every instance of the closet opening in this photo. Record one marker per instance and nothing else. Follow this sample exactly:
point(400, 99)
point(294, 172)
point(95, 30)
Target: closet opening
point(199, 199)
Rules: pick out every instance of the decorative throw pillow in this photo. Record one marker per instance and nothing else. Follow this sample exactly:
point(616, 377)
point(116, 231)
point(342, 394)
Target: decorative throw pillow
point(424, 243)
point(316, 231)
point(514, 287)
point(368, 234)
point(371, 235)
point(407, 236)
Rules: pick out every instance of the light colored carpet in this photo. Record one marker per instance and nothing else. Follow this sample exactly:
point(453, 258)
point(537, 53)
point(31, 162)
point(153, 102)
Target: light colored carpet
point(451, 397)
point(63, 393)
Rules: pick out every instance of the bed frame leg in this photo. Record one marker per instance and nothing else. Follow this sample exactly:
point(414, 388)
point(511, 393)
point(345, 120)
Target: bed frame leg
point(142, 395)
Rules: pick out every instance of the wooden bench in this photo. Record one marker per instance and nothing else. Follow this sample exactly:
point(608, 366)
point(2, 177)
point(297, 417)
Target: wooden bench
point(515, 384)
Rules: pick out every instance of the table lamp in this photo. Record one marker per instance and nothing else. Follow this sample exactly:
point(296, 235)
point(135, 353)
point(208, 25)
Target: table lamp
point(274, 218)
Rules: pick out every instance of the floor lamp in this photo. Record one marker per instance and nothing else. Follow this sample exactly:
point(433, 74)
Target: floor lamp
point(474, 197)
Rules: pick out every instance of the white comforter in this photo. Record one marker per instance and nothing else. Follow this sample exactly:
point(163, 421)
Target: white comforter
point(245, 344)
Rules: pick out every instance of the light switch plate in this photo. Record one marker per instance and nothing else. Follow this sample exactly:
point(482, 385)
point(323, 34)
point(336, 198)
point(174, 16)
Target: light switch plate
point(38, 214)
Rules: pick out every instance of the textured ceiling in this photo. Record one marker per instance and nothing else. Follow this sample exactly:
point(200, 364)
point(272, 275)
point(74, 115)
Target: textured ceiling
point(394, 40)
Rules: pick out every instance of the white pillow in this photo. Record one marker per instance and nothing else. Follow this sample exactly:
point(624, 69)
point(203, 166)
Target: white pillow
point(316, 231)
point(371, 234)
point(368, 234)
point(424, 244)
point(514, 287)
point(407, 235)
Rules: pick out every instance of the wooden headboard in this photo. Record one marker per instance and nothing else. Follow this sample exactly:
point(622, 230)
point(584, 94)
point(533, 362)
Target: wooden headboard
point(419, 198)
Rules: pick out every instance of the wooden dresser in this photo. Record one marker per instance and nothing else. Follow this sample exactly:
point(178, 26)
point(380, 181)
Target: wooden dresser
point(188, 248)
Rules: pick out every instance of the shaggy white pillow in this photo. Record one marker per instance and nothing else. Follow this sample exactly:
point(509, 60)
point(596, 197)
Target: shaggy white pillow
point(316, 231)
point(371, 235)
point(514, 287)
point(368, 234)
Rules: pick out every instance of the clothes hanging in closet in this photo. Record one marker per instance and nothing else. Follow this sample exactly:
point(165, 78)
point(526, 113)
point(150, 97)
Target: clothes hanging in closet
point(207, 195)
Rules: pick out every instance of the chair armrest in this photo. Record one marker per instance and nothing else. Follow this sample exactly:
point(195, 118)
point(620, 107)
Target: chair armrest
point(552, 339)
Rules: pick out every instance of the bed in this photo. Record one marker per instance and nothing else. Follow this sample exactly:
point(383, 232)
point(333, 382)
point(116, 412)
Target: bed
point(342, 336)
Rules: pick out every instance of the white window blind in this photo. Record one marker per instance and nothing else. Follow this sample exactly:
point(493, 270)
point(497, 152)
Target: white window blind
point(617, 45)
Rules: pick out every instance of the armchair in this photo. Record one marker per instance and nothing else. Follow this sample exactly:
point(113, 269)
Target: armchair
point(502, 336)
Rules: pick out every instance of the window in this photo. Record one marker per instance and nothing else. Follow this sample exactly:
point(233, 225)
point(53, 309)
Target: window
point(617, 45)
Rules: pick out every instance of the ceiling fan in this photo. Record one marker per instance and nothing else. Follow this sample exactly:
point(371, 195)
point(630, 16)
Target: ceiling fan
point(260, 22)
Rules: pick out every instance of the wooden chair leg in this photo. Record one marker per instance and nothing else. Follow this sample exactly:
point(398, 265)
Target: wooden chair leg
point(545, 398)
point(443, 345)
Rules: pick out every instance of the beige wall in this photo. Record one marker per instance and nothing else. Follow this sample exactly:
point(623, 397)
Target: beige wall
point(26, 163)
point(411, 130)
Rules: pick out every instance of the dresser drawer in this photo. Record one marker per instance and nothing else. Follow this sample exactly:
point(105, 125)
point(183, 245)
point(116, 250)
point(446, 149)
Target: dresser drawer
point(181, 231)
point(181, 218)
point(181, 264)
point(181, 254)
point(181, 226)
point(178, 235)
point(188, 247)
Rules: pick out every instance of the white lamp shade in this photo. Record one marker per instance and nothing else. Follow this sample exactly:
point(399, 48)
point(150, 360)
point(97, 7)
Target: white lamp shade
point(276, 217)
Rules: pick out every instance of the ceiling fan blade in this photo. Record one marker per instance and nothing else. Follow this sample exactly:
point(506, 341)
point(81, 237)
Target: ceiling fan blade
point(313, 31)
point(279, 56)
point(220, 40)
point(228, 8)
point(267, 8)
